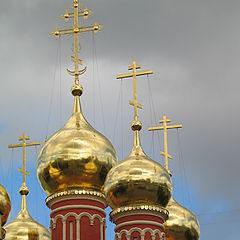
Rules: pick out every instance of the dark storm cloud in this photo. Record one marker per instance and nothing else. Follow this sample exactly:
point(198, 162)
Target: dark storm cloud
point(193, 47)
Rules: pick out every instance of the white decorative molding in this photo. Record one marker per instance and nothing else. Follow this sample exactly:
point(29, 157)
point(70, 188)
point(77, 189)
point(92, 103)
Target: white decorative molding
point(78, 228)
point(150, 208)
point(139, 222)
point(78, 207)
point(142, 233)
point(54, 220)
point(71, 230)
point(76, 194)
point(163, 236)
point(64, 229)
point(78, 218)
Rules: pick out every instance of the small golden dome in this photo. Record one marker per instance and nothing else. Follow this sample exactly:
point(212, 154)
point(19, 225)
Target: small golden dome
point(137, 180)
point(182, 223)
point(24, 227)
point(5, 205)
point(77, 156)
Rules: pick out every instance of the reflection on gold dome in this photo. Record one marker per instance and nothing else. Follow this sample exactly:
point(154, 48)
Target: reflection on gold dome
point(77, 156)
point(5, 205)
point(137, 180)
point(182, 223)
point(24, 227)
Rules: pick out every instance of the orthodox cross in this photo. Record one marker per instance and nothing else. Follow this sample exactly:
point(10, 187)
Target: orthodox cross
point(164, 128)
point(76, 31)
point(24, 144)
point(134, 74)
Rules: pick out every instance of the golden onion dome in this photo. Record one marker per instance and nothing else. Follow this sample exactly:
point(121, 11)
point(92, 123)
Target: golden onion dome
point(24, 226)
point(137, 180)
point(77, 156)
point(182, 223)
point(5, 205)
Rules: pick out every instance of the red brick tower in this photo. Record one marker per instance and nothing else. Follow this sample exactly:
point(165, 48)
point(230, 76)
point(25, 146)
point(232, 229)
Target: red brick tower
point(77, 214)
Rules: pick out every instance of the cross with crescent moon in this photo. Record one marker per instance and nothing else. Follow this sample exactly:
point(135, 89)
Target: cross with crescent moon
point(164, 128)
point(76, 31)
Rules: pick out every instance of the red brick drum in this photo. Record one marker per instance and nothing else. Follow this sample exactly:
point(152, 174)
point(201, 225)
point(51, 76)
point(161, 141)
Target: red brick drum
point(77, 215)
point(139, 223)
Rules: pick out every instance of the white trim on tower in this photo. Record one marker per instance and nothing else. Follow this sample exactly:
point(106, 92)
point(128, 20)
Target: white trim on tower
point(142, 233)
point(139, 222)
point(78, 207)
point(138, 212)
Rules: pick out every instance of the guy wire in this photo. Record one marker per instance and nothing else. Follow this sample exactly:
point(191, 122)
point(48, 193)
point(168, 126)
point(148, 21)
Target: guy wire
point(51, 92)
point(99, 85)
point(181, 160)
point(152, 113)
point(60, 81)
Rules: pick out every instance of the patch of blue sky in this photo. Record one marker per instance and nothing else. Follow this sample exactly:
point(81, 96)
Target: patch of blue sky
point(1, 128)
point(215, 211)
point(110, 226)
point(184, 193)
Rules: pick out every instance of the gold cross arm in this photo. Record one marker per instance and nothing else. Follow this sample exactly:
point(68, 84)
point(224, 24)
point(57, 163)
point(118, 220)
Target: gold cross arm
point(24, 172)
point(138, 104)
point(21, 145)
point(83, 14)
point(95, 28)
point(58, 32)
point(164, 120)
point(136, 74)
point(164, 154)
point(162, 127)
point(79, 61)
point(132, 67)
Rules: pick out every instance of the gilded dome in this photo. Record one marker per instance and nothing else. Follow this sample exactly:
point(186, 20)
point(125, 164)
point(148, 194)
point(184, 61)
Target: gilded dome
point(77, 156)
point(182, 223)
point(5, 205)
point(137, 180)
point(25, 227)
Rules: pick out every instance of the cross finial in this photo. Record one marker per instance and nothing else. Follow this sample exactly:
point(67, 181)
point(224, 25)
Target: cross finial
point(24, 144)
point(77, 90)
point(164, 128)
point(136, 125)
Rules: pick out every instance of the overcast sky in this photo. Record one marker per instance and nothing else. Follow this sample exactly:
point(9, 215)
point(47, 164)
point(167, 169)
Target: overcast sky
point(193, 48)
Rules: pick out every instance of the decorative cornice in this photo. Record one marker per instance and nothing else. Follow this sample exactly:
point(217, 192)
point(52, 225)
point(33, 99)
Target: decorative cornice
point(164, 212)
point(76, 194)
point(78, 207)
